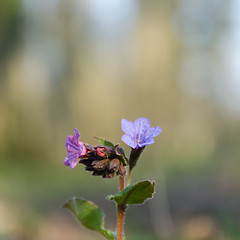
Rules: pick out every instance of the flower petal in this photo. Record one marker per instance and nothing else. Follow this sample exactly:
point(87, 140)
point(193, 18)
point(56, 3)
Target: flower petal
point(73, 145)
point(128, 127)
point(70, 145)
point(73, 140)
point(73, 164)
point(70, 159)
point(82, 149)
point(76, 136)
point(129, 141)
point(141, 126)
point(147, 141)
point(153, 132)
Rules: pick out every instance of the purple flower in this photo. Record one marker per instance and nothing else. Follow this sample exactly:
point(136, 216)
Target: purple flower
point(139, 133)
point(75, 150)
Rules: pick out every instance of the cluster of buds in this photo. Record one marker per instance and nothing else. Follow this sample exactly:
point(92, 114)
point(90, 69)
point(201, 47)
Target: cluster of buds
point(104, 161)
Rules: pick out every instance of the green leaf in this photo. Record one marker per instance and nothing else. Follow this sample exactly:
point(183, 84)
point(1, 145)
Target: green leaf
point(89, 215)
point(104, 142)
point(134, 194)
point(108, 234)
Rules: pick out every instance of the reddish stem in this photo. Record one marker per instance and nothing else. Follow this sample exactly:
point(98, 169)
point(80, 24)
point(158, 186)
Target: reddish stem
point(120, 212)
point(121, 183)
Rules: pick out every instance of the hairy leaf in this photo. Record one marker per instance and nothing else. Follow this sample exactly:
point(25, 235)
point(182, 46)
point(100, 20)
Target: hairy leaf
point(89, 215)
point(134, 194)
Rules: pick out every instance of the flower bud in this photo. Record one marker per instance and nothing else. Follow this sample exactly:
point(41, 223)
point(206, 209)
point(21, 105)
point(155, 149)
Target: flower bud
point(101, 164)
point(106, 152)
point(104, 161)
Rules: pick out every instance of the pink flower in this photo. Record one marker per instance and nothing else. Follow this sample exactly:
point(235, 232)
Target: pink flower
point(75, 150)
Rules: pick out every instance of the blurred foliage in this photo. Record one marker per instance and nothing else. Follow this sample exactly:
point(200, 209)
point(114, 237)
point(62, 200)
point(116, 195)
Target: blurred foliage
point(10, 25)
point(87, 64)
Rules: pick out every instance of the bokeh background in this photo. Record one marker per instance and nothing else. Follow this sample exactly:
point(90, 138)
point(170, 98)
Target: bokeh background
point(88, 64)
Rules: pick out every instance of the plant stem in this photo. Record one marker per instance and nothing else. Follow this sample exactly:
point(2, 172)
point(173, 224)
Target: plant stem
point(120, 212)
point(121, 183)
point(129, 177)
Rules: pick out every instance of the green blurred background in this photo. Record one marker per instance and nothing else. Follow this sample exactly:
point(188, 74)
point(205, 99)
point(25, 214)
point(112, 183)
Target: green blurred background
point(88, 64)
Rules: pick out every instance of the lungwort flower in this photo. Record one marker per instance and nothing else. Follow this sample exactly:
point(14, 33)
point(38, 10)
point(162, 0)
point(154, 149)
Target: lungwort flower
point(139, 133)
point(75, 150)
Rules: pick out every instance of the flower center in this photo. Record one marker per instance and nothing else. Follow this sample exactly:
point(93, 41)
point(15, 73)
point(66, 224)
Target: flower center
point(138, 138)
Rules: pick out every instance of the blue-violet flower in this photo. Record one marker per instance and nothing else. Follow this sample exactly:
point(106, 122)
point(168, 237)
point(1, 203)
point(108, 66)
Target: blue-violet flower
point(139, 133)
point(75, 150)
